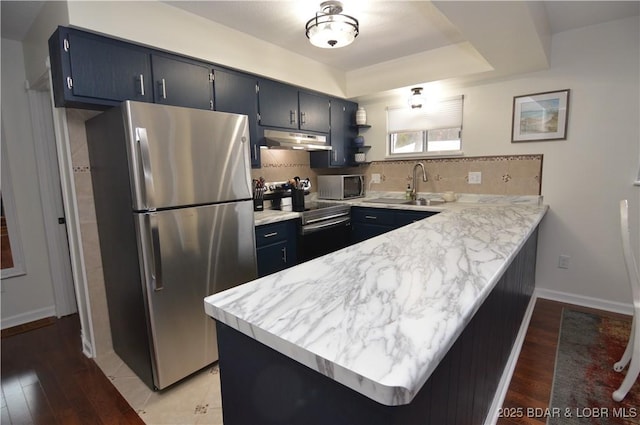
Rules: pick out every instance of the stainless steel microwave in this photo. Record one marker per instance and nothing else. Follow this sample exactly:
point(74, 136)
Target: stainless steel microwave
point(343, 186)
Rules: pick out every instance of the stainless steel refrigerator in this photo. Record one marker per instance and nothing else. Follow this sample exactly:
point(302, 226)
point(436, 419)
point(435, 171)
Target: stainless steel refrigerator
point(174, 209)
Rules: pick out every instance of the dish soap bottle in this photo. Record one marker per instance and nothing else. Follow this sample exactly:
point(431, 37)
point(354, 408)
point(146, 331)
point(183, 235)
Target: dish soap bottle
point(407, 194)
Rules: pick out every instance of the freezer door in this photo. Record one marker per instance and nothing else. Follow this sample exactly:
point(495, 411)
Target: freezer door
point(182, 157)
point(188, 254)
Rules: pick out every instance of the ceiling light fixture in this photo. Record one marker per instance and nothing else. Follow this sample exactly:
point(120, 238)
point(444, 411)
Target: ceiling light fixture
point(330, 29)
point(416, 98)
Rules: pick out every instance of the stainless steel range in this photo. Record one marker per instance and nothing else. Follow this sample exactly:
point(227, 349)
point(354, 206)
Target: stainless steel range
point(324, 226)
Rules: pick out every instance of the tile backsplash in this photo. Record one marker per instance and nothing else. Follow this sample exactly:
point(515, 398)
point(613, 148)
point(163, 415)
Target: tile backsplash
point(500, 175)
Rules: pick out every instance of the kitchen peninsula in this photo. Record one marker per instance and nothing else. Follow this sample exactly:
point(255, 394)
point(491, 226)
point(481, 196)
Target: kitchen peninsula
point(412, 326)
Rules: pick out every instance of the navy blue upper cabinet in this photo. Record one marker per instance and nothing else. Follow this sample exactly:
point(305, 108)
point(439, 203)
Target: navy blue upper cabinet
point(90, 70)
point(278, 104)
point(314, 112)
point(283, 106)
point(236, 92)
point(342, 135)
point(182, 82)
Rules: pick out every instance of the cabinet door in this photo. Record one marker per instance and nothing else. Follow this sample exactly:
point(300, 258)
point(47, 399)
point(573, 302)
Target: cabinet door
point(407, 217)
point(314, 112)
point(89, 69)
point(278, 105)
point(369, 222)
point(237, 93)
point(341, 136)
point(181, 82)
point(364, 231)
point(350, 131)
point(272, 258)
point(276, 246)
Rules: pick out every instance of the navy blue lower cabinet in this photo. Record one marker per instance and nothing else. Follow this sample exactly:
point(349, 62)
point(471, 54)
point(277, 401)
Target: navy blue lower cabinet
point(363, 231)
point(262, 386)
point(369, 222)
point(276, 246)
point(403, 218)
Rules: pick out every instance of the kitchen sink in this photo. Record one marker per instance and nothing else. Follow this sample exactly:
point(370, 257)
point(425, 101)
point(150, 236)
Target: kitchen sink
point(422, 201)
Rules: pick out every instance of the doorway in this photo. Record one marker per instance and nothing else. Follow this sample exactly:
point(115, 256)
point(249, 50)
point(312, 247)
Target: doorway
point(51, 196)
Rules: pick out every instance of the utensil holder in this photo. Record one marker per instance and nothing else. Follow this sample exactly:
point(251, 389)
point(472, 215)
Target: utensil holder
point(297, 200)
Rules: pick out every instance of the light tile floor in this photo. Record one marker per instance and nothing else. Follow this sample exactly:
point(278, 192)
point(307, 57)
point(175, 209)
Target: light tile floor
point(194, 401)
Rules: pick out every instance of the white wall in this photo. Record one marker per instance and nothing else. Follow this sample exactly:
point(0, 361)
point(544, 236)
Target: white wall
point(35, 47)
point(585, 176)
point(30, 296)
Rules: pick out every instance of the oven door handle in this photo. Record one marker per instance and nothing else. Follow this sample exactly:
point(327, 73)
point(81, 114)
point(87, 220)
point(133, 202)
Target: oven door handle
point(326, 217)
point(326, 224)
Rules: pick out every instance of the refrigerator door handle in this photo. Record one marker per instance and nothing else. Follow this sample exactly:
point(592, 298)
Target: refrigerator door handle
point(145, 156)
point(156, 262)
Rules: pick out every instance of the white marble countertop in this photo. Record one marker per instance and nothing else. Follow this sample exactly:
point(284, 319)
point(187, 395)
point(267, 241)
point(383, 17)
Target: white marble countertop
point(380, 315)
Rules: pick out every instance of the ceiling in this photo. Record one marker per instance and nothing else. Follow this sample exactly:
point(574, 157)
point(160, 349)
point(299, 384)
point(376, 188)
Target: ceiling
point(416, 41)
point(388, 29)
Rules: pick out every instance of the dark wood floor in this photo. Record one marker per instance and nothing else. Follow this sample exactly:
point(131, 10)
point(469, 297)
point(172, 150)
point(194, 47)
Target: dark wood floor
point(532, 379)
point(47, 380)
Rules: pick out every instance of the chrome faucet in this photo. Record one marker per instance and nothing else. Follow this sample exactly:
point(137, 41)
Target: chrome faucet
point(414, 190)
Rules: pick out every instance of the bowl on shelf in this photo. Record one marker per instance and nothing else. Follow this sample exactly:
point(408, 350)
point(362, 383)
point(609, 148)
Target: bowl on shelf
point(358, 141)
point(360, 157)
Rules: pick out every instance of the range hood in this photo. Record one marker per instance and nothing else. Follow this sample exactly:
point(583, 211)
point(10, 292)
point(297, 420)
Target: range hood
point(291, 140)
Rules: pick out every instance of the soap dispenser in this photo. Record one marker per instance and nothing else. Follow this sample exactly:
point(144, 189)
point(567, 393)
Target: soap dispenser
point(407, 194)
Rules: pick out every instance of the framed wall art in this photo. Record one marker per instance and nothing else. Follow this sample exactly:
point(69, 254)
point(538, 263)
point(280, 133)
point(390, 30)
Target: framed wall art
point(540, 116)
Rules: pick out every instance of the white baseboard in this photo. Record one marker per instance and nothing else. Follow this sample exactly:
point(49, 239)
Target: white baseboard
point(584, 301)
point(29, 316)
point(87, 348)
point(507, 373)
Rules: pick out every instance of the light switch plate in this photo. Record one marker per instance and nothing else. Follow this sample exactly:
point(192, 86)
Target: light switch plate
point(475, 177)
point(375, 178)
point(563, 261)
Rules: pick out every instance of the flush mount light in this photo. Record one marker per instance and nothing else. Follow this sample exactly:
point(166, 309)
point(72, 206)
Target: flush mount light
point(330, 29)
point(416, 99)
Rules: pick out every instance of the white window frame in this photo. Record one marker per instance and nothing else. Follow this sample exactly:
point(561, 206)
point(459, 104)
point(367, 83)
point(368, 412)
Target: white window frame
point(404, 127)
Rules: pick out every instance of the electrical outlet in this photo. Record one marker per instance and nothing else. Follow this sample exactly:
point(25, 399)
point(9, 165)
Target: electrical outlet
point(563, 262)
point(475, 177)
point(375, 178)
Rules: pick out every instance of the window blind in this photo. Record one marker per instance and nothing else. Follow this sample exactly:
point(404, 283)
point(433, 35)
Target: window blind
point(446, 113)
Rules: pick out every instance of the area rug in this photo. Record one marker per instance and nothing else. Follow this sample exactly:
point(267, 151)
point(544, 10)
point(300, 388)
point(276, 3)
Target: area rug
point(584, 379)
